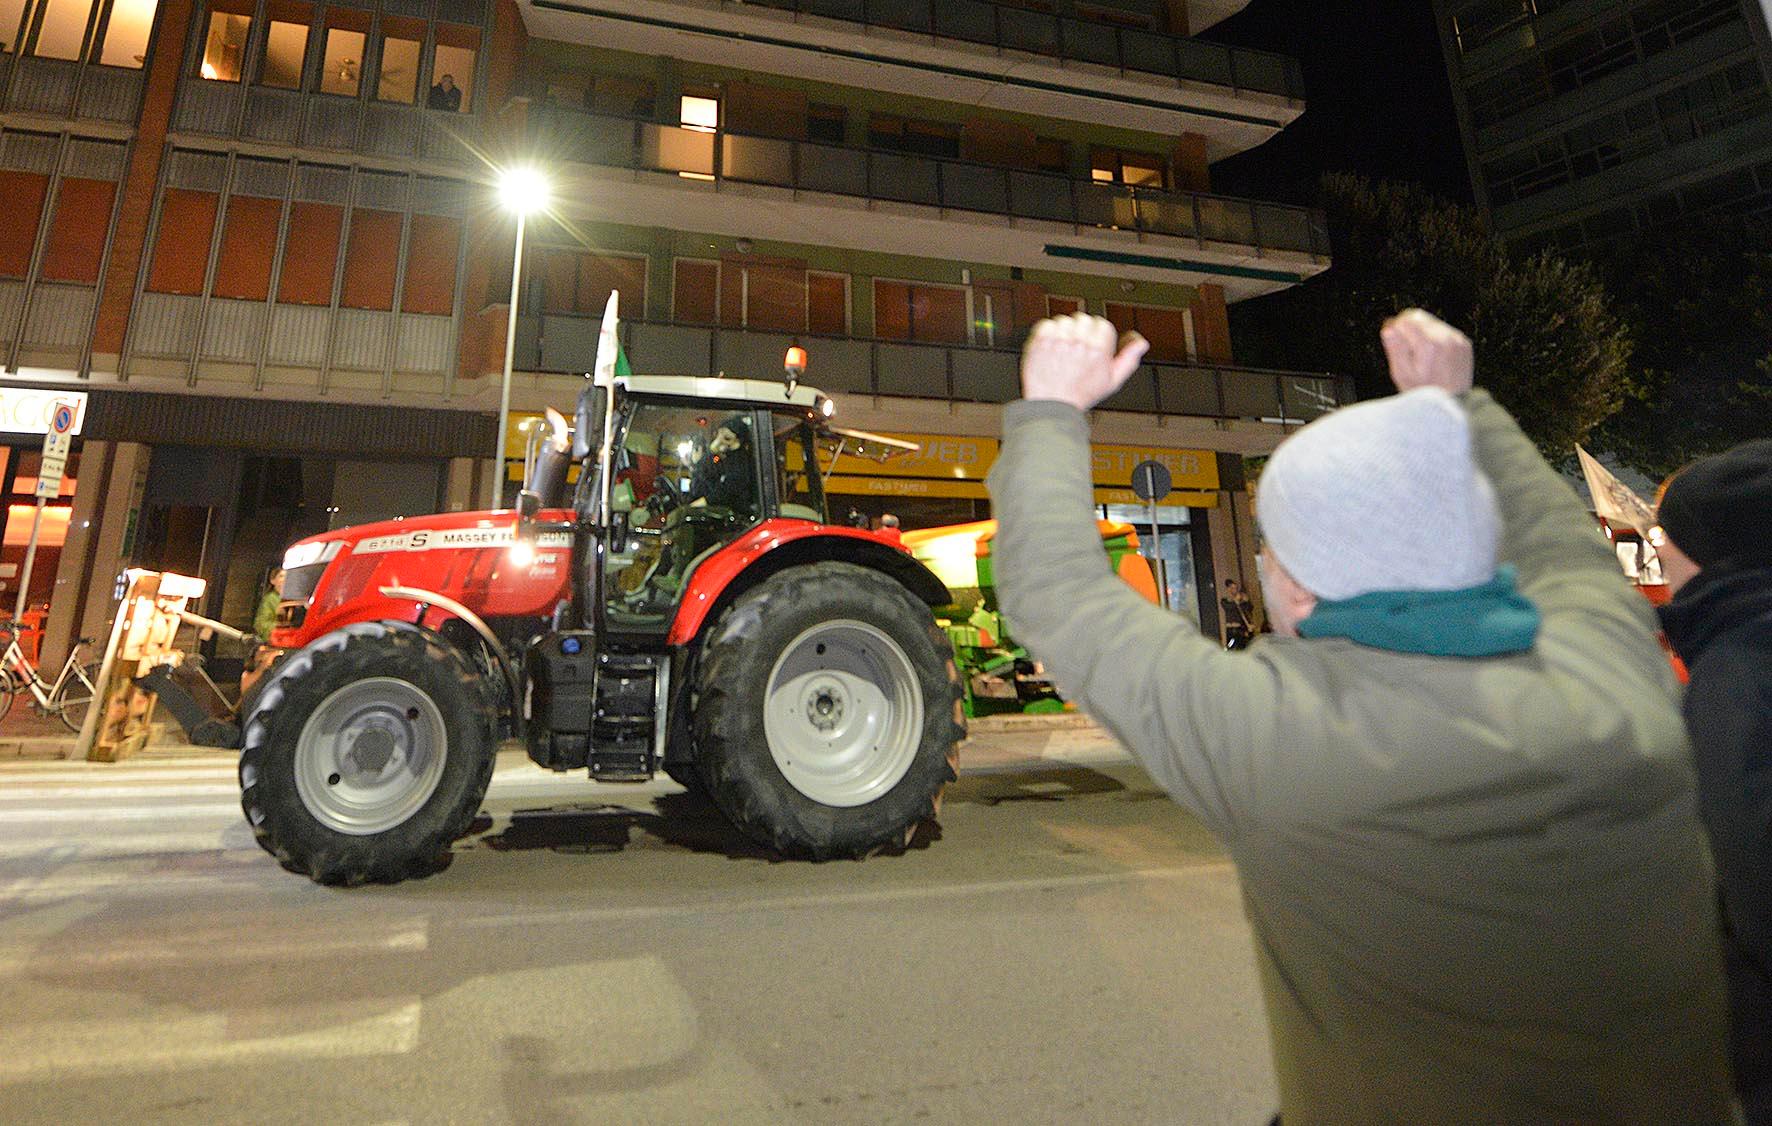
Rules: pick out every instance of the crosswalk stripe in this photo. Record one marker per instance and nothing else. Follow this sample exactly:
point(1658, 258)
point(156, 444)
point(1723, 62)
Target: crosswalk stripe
point(11, 794)
point(217, 947)
point(112, 1045)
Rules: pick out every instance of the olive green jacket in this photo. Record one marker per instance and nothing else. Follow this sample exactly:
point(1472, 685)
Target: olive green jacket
point(1478, 887)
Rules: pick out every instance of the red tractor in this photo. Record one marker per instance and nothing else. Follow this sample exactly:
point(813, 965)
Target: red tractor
point(686, 606)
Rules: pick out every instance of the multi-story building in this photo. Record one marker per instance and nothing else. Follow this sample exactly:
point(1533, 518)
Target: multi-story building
point(1588, 120)
point(258, 237)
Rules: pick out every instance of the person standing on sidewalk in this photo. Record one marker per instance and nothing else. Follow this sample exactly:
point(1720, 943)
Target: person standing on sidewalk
point(1716, 554)
point(1458, 793)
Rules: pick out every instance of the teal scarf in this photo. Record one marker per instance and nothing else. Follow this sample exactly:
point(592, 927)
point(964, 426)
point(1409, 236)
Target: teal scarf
point(1479, 621)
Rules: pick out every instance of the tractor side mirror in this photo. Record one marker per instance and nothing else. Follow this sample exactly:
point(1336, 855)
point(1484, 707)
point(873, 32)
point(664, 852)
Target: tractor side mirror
point(587, 424)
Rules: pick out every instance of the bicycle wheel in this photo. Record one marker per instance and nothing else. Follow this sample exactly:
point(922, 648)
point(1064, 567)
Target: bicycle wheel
point(8, 689)
point(73, 697)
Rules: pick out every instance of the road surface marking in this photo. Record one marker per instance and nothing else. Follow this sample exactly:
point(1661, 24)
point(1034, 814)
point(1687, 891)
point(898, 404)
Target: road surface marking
point(218, 947)
point(112, 1045)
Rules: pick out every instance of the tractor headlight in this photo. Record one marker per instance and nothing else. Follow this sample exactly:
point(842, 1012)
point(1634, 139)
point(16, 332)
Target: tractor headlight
point(309, 553)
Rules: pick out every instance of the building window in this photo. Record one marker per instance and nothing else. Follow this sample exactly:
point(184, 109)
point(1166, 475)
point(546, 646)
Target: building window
point(1170, 331)
point(695, 291)
point(12, 19)
point(341, 67)
point(933, 314)
point(1062, 306)
point(24, 193)
point(580, 281)
point(902, 134)
point(248, 244)
point(1118, 166)
point(127, 27)
point(77, 232)
point(700, 113)
point(307, 273)
point(181, 243)
point(224, 49)
point(370, 260)
point(62, 31)
point(452, 69)
point(286, 52)
point(827, 303)
point(431, 253)
point(826, 123)
point(396, 74)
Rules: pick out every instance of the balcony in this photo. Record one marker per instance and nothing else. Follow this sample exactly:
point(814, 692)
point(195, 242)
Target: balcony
point(966, 51)
point(646, 174)
point(62, 88)
point(931, 372)
point(325, 122)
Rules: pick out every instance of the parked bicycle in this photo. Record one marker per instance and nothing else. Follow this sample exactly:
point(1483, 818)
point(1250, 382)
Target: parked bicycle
point(68, 697)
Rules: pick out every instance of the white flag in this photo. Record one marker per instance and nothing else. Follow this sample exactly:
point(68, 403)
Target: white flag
point(608, 346)
point(1613, 500)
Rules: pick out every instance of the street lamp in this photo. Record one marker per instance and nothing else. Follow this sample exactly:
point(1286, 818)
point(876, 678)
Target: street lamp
point(521, 190)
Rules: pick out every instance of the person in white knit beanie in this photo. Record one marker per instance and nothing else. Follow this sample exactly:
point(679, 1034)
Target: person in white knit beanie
point(1454, 782)
point(1380, 496)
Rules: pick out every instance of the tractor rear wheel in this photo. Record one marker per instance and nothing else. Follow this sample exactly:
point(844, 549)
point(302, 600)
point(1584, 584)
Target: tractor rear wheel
point(367, 754)
point(827, 722)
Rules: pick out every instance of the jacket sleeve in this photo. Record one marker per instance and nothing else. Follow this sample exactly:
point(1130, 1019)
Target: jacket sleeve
point(1183, 707)
point(1729, 711)
point(1565, 567)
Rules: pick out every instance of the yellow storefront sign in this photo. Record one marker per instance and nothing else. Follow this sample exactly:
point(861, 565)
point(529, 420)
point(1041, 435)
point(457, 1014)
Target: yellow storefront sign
point(948, 465)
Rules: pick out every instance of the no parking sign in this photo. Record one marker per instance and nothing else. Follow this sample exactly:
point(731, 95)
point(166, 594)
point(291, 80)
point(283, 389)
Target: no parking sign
point(56, 444)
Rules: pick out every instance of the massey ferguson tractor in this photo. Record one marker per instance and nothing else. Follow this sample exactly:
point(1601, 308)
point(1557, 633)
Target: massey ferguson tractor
point(669, 594)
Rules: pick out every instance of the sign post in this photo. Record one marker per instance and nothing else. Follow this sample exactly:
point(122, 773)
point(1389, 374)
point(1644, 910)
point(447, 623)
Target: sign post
point(56, 443)
point(1151, 483)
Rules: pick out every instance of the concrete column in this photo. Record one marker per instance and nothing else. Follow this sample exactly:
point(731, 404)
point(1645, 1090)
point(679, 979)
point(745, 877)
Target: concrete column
point(1175, 17)
point(461, 494)
point(1212, 326)
point(107, 506)
point(1188, 168)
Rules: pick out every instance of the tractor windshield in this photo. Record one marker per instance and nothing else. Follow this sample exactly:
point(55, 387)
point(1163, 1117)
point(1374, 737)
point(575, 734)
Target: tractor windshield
point(685, 484)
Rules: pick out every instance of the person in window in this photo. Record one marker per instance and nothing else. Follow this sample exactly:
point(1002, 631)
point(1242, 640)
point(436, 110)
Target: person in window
point(725, 476)
point(445, 95)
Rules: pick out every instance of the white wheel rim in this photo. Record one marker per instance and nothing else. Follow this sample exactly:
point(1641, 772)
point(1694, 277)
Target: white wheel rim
point(370, 756)
point(843, 713)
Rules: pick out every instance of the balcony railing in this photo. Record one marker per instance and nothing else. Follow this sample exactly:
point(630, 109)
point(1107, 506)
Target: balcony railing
point(1063, 37)
point(622, 142)
point(65, 88)
point(323, 121)
point(951, 373)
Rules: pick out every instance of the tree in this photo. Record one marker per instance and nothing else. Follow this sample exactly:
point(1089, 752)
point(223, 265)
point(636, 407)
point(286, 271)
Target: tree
point(1549, 346)
point(1699, 300)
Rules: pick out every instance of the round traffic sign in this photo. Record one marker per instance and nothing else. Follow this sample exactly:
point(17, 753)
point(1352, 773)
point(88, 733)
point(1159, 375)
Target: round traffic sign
point(61, 420)
point(1151, 480)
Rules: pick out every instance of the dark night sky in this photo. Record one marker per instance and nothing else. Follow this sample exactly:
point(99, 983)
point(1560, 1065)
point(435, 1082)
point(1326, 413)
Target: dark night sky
point(1377, 99)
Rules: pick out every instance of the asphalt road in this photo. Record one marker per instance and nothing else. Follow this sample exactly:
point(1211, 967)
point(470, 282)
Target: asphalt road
point(1066, 947)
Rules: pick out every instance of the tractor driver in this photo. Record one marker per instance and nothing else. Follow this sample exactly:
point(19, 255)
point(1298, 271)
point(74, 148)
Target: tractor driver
point(725, 477)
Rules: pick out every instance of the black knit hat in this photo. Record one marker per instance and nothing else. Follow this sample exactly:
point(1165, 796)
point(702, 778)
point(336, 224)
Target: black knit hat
point(1719, 510)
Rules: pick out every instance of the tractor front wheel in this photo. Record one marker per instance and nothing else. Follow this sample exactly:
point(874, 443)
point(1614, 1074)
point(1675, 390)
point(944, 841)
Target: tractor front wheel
point(367, 754)
point(827, 722)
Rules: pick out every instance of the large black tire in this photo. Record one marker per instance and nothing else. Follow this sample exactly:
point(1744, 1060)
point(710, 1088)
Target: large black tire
point(366, 754)
point(828, 716)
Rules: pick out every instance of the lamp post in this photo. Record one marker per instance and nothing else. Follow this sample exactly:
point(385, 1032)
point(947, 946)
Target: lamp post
point(521, 190)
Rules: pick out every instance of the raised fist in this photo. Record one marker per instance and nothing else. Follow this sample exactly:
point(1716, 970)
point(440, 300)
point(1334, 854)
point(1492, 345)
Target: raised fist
point(1425, 351)
point(1073, 360)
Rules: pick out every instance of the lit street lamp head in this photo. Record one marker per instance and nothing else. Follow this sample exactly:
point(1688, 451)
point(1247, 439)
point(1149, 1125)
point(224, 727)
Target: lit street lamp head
point(522, 190)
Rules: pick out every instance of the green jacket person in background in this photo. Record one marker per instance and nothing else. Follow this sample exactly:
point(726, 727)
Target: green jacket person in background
point(1454, 782)
point(264, 619)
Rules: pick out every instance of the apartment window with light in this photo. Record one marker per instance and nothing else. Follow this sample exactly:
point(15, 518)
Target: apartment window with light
point(396, 76)
point(700, 112)
point(452, 68)
point(1117, 166)
point(341, 66)
point(127, 27)
point(224, 48)
point(63, 28)
point(12, 19)
point(286, 46)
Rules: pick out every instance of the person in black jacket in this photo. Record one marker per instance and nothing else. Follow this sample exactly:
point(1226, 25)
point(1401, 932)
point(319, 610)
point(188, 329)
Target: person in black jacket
point(725, 477)
point(1716, 553)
